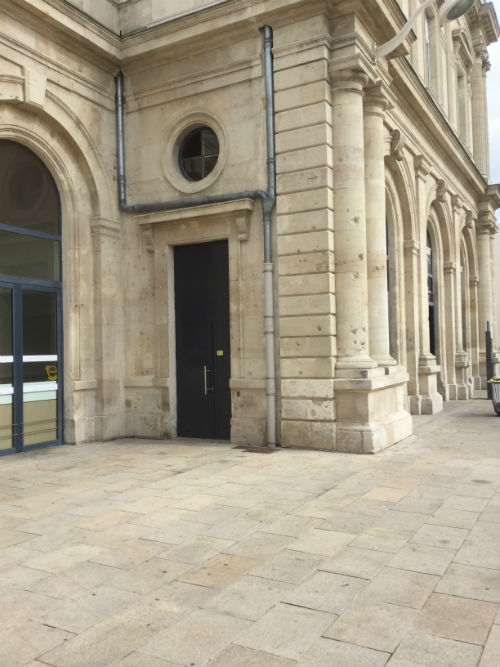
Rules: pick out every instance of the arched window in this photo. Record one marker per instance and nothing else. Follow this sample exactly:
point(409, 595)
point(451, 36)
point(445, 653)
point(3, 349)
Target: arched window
point(430, 296)
point(30, 301)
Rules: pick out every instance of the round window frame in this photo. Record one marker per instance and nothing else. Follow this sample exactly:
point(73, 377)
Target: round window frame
point(180, 158)
point(178, 130)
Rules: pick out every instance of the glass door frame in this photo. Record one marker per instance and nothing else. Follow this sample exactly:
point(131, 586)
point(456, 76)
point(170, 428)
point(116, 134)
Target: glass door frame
point(18, 285)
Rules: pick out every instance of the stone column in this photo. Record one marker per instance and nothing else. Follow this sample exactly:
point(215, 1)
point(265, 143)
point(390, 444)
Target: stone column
point(428, 401)
point(474, 327)
point(450, 274)
point(353, 347)
point(376, 226)
point(483, 232)
point(480, 66)
point(364, 425)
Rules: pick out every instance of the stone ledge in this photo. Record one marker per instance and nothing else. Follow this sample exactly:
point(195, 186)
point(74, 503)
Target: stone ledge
point(371, 384)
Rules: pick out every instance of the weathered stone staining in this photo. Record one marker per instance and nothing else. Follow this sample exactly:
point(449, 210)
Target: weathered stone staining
point(383, 229)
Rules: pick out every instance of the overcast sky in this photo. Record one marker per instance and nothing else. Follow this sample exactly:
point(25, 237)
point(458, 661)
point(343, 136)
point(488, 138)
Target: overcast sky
point(493, 79)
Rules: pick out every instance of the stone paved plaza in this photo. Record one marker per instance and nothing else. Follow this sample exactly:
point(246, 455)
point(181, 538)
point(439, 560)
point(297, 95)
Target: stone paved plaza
point(150, 554)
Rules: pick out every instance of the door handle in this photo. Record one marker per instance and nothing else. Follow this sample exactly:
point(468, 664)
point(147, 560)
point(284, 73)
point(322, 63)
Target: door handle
point(205, 380)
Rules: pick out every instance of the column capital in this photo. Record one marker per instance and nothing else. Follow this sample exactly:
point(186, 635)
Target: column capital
point(412, 246)
point(352, 72)
point(481, 53)
point(378, 98)
point(486, 223)
point(474, 281)
point(450, 267)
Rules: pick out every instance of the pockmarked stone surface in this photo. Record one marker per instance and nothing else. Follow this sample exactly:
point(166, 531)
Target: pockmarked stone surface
point(295, 563)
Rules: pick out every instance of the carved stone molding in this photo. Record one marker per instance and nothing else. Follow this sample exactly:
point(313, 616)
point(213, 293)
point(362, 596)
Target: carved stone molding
point(422, 167)
point(412, 246)
point(147, 238)
point(474, 281)
point(105, 227)
point(237, 212)
point(441, 190)
point(469, 221)
point(398, 142)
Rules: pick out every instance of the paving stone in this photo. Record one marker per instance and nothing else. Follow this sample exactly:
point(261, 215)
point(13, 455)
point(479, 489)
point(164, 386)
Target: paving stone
point(321, 542)
point(220, 571)
point(260, 545)
point(369, 506)
point(247, 657)
point(137, 659)
point(102, 521)
point(104, 643)
point(457, 618)
point(292, 525)
point(129, 554)
point(402, 587)
point(196, 638)
point(440, 536)
point(61, 559)
point(421, 558)
point(471, 582)
point(289, 566)
point(325, 591)
point(381, 539)
point(386, 493)
point(417, 505)
point(467, 503)
point(331, 653)
point(420, 649)
point(491, 653)
point(184, 595)
point(147, 576)
point(285, 630)
point(455, 518)
point(10, 538)
point(28, 641)
point(401, 522)
point(348, 522)
point(380, 626)
point(482, 547)
point(354, 562)
point(250, 597)
point(196, 551)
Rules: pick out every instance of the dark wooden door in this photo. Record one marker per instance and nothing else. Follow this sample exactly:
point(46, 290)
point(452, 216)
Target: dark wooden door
point(202, 340)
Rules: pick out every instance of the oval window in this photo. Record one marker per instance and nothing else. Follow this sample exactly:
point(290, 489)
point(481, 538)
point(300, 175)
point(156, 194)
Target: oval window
point(198, 153)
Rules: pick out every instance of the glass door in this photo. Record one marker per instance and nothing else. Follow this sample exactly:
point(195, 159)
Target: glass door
point(40, 367)
point(30, 361)
point(6, 370)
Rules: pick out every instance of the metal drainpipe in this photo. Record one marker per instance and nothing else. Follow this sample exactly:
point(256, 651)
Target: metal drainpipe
point(268, 200)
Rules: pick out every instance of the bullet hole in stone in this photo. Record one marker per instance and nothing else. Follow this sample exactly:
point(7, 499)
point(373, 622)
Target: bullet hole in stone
point(356, 220)
point(355, 275)
point(318, 328)
point(361, 256)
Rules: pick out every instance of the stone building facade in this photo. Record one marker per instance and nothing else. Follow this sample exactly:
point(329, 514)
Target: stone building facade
point(152, 321)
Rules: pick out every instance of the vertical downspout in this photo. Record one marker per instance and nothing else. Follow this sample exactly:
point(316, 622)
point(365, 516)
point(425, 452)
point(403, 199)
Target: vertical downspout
point(267, 210)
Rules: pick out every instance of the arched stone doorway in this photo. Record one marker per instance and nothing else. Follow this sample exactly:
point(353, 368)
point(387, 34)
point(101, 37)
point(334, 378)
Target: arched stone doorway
point(30, 302)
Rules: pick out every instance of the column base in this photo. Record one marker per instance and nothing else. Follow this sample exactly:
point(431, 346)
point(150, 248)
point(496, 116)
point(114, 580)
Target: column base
point(426, 404)
point(371, 412)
